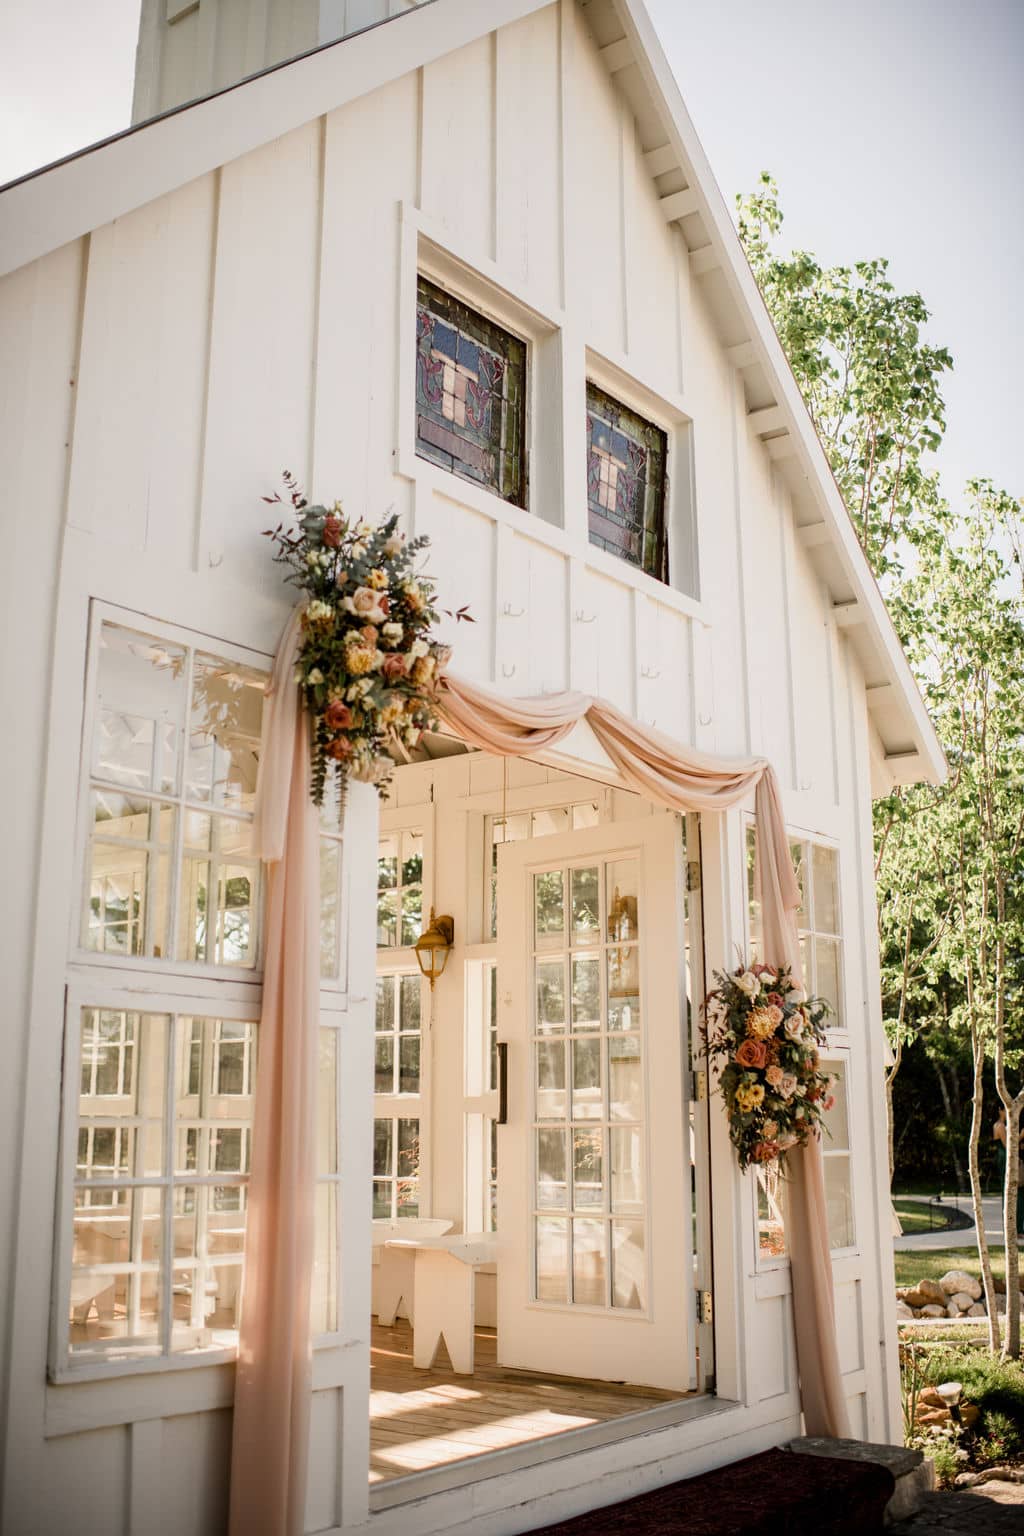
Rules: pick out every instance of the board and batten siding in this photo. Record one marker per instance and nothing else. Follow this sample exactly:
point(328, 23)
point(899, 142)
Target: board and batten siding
point(160, 373)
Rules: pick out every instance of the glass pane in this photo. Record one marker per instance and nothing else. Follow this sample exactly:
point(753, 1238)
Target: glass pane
point(585, 815)
point(587, 1170)
point(625, 1084)
point(387, 919)
point(407, 1197)
point(753, 906)
point(412, 914)
point(218, 887)
point(550, 996)
point(492, 1026)
point(587, 1098)
point(549, 903)
point(323, 1317)
point(408, 1148)
point(383, 1147)
point(839, 1201)
point(411, 992)
point(387, 863)
point(551, 1080)
point(327, 1103)
point(224, 732)
point(824, 866)
point(826, 956)
point(797, 851)
point(552, 1177)
point(126, 904)
point(627, 1170)
point(589, 1263)
point(382, 1191)
point(412, 858)
point(771, 1226)
point(232, 1063)
point(385, 1015)
point(122, 1305)
point(552, 1258)
point(546, 823)
point(585, 887)
point(629, 1266)
point(409, 1064)
point(586, 992)
point(624, 987)
point(622, 877)
point(836, 1119)
point(140, 694)
point(330, 905)
point(384, 1065)
point(229, 1149)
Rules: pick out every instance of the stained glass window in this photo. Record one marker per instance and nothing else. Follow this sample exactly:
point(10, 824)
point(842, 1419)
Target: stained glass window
point(626, 484)
point(470, 394)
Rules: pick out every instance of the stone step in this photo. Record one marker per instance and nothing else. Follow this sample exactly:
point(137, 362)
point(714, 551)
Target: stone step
point(913, 1473)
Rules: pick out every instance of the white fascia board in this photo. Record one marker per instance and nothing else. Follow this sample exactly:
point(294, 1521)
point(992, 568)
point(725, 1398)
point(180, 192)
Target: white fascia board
point(51, 207)
point(679, 128)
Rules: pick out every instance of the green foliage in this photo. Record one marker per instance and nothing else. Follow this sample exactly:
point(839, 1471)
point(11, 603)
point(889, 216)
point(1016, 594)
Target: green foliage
point(946, 1462)
point(994, 1386)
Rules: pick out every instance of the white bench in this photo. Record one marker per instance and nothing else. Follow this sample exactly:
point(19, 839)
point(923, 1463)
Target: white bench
point(395, 1272)
point(445, 1281)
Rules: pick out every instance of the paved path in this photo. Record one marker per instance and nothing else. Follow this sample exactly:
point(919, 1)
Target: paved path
point(963, 1237)
point(993, 1509)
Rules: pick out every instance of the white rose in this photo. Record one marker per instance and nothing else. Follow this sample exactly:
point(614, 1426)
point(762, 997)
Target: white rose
point(419, 648)
point(796, 996)
point(393, 545)
point(768, 979)
point(313, 558)
point(315, 676)
point(748, 983)
point(348, 605)
point(392, 631)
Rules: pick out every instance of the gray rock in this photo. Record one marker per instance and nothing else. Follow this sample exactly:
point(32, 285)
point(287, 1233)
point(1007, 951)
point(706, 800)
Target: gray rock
point(955, 1281)
point(903, 1311)
point(932, 1291)
point(934, 1310)
point(976, 1310)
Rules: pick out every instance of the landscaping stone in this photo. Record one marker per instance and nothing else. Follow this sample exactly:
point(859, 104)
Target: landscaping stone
point(933, 1292)
point(958, 1280)
point(913, 1473)
point(934, 1310)
point(976, 1311)
point(913, 1298)
point(964, 1299)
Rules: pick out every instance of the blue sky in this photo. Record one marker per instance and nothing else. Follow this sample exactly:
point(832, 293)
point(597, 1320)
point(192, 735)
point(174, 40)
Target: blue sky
point(894, 128)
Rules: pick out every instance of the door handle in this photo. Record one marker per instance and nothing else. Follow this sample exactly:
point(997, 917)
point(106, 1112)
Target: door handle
point(502, 1083)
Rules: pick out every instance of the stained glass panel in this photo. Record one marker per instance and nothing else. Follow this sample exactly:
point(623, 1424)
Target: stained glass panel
point(626, 484)
point(470, 394)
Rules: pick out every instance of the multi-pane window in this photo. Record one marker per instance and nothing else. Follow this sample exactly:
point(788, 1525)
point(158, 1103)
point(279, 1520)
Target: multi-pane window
point(396, 1166)
point(588, 1096)
point(330, 885)
point(397, 1043)
point(818, 918)
point(470, 394)
point(170, 871)
point(838, 1166)
point(161, 1134)
point(399, 889)
point(324, 1296)
point(517, 826)
point(626, 479)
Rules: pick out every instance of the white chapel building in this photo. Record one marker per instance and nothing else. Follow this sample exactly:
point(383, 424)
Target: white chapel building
point(467, 262)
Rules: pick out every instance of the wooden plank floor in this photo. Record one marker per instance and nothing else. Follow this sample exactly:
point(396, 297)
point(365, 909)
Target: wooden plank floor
point(422, 1419)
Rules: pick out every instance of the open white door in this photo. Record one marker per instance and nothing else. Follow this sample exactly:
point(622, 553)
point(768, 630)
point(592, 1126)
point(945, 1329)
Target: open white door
point(595, 1274)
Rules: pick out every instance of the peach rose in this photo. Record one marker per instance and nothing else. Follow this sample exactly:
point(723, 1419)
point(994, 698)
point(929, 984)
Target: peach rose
point(338, 748)
point(337, 716)
point(332, 531)
point(394, 667)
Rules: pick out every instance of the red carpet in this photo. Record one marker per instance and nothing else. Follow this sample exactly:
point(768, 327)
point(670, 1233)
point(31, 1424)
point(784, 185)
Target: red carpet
point(775, 1493)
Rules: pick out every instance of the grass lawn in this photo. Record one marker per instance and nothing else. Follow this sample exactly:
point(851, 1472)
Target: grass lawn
point(915, 1216)
point(929, 1264)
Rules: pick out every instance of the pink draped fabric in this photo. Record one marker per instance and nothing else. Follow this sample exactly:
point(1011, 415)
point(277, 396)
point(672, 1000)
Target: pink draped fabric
point(270, 1436)
point(683, 779)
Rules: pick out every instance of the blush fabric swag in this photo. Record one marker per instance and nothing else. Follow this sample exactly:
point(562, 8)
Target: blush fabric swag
point(270, 1444)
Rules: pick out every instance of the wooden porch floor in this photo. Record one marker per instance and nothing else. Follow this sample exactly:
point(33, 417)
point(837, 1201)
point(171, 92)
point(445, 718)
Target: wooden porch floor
point(423, 1419)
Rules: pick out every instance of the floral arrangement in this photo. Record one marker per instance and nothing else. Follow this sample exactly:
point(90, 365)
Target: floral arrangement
point(768, 1031)
point(367, 667)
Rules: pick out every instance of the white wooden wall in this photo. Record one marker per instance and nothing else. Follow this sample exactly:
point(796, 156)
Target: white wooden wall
point(160, 373)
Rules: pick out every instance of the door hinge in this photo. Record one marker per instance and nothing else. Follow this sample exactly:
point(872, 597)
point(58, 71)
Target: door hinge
point(693, 875)
point(700, 1086)
point(705, 1307)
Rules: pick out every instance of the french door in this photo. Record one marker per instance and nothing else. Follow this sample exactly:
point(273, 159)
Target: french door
point(595, 1210)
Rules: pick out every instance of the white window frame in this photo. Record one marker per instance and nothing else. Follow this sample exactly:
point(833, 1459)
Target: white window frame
point(836, 1058)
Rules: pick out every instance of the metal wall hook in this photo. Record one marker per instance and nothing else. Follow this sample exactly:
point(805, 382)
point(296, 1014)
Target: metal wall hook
point(704, 719)
point(508, 671)
point(651, 672)
point(512, 613)
point(581, 617)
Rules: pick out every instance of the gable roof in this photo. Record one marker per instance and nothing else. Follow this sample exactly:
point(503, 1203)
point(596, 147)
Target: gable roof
point(62, 202)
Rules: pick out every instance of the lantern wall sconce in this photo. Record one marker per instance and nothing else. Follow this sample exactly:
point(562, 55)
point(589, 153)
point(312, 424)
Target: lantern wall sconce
point(434, 945)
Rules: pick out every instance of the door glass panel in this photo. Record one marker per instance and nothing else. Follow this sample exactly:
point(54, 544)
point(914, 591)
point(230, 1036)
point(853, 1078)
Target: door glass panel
point(826, 954)
point(627, 1170)
point(624, 987)
point(550, 996)
point(625, 1086)
point(826, 896)
point(629, 1266)
point(586, 1080)
point(552, 1249)
point(552, 1180)
point(549, 905)
point(588, 1263)
point(586, 992)
point(586, 903)
point(550, 1080)
point(141, 704)
point(623, 900)
point(587, 1170)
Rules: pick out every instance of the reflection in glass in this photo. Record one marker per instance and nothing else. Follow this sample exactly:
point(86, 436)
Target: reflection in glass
point(552, 1177)
point(552, 1250)
point(625, 1086)
point(330, 905)
point(837, 1124)
point(585, 897)
point(385, 1012)
point(550, 1080)
point(771, 1221)
point(587, 1103)
point(549, 903)
point(826, 894)
point(327, 1103)
point(140, 695)
point(409, 1064)
point(126, 905)
point(121, 1305)
point(586, 992)
point(627, 1170)
point(622, 876)
point(587, 1170)
point(629, 1266)
point(384, 1065)
point(224, 733)
point(588, 1263)
point(826, 957)
point(624, 987)
point(550, 996)
point(839, 1201)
